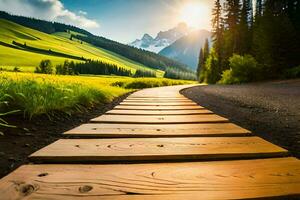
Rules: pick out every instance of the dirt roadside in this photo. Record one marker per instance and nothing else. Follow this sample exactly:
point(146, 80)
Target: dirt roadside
point(270, 110)
point(18, 143)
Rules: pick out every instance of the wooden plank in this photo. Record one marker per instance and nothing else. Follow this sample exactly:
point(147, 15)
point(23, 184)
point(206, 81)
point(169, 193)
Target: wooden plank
point(124, 107)
point(158, 112)
point(156, 149)
point(161, 92)
point(157, 104)
point(158, 96)
point(157, 130)
point(157, 100)
point(160, 119)
point(242, 179)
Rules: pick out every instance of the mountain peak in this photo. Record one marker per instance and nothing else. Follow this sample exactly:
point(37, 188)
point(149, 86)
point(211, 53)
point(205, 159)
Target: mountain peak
point(186, 49)
point(147, 37)
point(163, 38)
point(175, 33)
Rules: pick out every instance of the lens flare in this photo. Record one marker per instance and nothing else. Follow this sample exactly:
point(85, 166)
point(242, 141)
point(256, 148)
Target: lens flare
point(194, 14)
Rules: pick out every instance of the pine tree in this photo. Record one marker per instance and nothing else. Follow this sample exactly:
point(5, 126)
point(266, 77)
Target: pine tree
point(205, 50)
point(217, 25)
point(218, 31)
point(200, 65)
point(232, 14)
point(204, 54)
point(258, 8)
point(275, 43)
point(244, 29)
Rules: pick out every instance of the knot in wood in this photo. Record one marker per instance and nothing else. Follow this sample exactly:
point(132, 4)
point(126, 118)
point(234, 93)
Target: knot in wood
point(26, 189)
point(43, 174)
point(85, 188)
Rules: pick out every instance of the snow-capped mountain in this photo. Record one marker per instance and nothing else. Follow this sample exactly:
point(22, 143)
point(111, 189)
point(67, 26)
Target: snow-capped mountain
point(186, 49)
point(163, 38)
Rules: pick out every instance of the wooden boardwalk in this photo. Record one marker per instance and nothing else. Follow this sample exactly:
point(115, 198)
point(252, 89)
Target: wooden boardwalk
point(156, 144)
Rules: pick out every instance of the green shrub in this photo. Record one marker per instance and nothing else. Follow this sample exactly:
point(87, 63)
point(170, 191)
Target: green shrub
point(227, 77)
point(183, 75)
point(242, 69)
point(45, 67)
point(118, 84)
point(16, 69)
point(66, 69)
point(140, 83)
point(211, 73)
point(292, 73)
point(144, 73)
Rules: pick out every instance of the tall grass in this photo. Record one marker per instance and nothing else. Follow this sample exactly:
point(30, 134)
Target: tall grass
point(141, 83)
point(35, 94)
point(4, 102)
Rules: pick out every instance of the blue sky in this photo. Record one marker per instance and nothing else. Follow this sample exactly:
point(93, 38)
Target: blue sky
point(121, 20)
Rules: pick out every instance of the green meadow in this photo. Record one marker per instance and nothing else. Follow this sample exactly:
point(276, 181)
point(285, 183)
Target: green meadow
point(35, 94)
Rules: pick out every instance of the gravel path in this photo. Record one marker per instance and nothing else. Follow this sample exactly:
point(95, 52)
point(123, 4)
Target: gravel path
point(270, 109)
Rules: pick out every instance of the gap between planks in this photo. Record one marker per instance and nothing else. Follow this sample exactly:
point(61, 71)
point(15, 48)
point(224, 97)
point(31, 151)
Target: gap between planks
point(157, 112)
point(163, 119)
point(158, 104)
point(157, 107)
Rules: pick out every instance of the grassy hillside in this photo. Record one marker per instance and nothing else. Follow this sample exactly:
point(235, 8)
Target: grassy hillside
point(41, 25)
point(12, 55)
point(79, 44)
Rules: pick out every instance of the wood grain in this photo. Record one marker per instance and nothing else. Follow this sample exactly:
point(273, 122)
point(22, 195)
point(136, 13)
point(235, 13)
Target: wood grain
point(159, 100)
point(126, 107)
point(160, 119)
point(157, 104)
point(158, 112)
point(245, 179)
point(156, 149)
point(157, 130)
point(161, 92)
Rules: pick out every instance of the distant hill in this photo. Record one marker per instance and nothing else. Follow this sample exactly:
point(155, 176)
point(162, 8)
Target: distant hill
point(186, 49)
point(162, 40)
point(25, 48)
point(41, 25)
point(147, 58)
point(137, 57)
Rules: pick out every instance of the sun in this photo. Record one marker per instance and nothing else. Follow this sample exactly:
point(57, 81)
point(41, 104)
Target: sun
point(195, 15)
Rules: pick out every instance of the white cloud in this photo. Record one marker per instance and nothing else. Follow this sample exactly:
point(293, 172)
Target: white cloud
point(52, 10)
point(82, 12)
